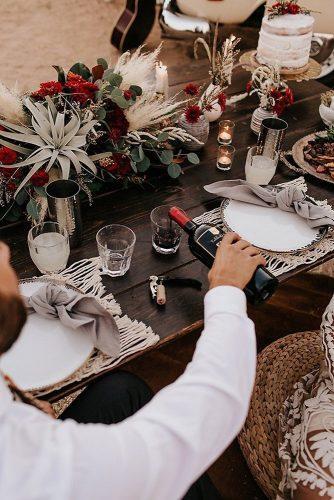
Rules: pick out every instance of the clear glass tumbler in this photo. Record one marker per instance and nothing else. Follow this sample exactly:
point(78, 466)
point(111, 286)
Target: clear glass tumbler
point(225, 157)
point(226, 131)
point(115, 244)
point(260, 169)
point(166, 234)
point(49, 247)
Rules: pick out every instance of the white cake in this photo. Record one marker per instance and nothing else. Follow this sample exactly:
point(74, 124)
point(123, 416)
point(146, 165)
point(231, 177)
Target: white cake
point(286, 41)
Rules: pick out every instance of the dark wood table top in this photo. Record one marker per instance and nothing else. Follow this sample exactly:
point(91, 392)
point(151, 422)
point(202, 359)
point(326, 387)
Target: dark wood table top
point(184, 310)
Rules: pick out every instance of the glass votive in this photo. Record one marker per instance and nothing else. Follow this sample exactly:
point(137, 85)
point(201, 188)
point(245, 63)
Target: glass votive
point(166, 234)
point(115, 244)
point(260, 169)
point(49, 247)
point(225, 157)
point(226, 130)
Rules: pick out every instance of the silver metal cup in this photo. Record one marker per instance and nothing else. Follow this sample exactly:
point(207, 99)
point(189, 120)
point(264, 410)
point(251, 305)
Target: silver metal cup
point(271, 136)
point(64, 207)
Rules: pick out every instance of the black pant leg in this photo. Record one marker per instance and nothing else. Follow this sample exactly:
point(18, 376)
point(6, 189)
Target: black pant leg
point(110, 399)
point(115, 397)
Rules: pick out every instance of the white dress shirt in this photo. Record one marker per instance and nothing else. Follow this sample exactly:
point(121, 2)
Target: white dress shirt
point(157, 453)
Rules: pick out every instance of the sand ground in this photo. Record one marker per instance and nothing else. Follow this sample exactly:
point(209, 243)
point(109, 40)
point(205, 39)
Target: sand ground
point(35, 34)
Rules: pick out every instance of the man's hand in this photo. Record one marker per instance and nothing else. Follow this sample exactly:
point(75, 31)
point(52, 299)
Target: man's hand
point(235, 263)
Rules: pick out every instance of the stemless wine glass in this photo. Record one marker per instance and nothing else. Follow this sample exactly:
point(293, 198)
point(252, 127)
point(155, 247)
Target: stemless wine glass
point(166, 235)
point(260, 169)
point(49, 247)
point(115, 244)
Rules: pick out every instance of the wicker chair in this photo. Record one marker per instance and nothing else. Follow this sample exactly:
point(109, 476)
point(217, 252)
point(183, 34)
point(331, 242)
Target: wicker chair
point(280, 366)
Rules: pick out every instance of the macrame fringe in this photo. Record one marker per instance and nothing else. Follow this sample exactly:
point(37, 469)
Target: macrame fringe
point(135, 336)
point(280, 263)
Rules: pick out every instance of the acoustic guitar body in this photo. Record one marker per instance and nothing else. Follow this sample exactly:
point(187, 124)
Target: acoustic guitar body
point(134, 24)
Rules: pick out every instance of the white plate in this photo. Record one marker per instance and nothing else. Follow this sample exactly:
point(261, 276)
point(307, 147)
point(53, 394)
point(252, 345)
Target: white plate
point(46, 352)
point(270, 228)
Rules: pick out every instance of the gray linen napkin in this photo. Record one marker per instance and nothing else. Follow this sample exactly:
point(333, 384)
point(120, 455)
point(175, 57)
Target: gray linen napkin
point(289, 199)
point(79, 312)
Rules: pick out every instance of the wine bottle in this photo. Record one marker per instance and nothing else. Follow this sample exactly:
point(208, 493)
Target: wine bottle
point(203, 242)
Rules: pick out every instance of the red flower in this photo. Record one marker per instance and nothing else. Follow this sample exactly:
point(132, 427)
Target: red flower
point(11, 186)
point(39, 178)
point(191, 89)
point(249, 87)
point(7, 156)
point(193, 113)
point(289, 97)
point(293, 8)
point(81, 89)
point(47, 88)
point(127, 95)
point(222, 101)
point(117, 122)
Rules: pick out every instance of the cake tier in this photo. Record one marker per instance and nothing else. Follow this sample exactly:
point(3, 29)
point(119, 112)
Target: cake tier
point(285, 41)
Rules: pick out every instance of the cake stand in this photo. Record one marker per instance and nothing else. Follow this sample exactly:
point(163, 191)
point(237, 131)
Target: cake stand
point(313, 69)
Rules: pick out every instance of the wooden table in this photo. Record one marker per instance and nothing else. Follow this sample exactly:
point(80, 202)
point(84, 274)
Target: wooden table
point(184, 310)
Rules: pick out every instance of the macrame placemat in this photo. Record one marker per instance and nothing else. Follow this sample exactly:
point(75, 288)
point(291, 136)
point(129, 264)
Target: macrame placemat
point(135, 336)
point(280, 263)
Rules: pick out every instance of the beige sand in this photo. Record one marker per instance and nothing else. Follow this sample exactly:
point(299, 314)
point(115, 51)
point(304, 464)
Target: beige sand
point(35, 34)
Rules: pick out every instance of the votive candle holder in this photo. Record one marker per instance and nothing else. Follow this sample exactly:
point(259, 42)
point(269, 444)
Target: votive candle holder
point(225, 157)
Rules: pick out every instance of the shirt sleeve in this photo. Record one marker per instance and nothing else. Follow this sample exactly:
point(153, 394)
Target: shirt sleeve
point(162, 449)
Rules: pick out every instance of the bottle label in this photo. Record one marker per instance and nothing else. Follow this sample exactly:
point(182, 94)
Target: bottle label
point(210, 239)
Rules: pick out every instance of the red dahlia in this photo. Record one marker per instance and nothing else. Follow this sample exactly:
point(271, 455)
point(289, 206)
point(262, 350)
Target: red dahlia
point(47, 88)
point(293, 8)
point(7, 156)
point(11, 186)
point(118, 124)
point(81, 89)
point(222, 101)
point(127, 94)
point(191, 89)
point(39, 178)
point(193, 113)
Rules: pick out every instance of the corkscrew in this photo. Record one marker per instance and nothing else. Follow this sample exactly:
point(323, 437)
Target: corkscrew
point(158, 286)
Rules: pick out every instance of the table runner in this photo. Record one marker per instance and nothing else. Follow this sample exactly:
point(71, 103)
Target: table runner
point(135, 336)
point(280, 263)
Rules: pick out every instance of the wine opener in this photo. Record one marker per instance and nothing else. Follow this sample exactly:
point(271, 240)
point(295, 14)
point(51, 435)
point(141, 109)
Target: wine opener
point(158, 286)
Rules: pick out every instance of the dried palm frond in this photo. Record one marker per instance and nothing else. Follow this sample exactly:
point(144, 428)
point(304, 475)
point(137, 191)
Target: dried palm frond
point(149, 110)
point(49, 140)
point(11, 105)
point(138, 69)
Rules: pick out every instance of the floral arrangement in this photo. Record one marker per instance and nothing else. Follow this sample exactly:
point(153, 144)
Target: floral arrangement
point(283, 7)
point(94, 125)
point(274, 93)
point(196, 106)
point(221, 57)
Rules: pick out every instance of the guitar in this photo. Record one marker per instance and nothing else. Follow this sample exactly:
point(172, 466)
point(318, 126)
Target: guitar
point(134, 24)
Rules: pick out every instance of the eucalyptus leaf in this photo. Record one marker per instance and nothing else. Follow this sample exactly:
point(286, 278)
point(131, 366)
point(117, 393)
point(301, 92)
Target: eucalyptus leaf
point(40, 191)
point(32, 209)
point(135, 156)
point(61, 74)
point(136, 89)
point(134, 166)
point(144, 165)
point(101, 113)
point(141, 152)
point(113, 78)
point(166, 156)
point(102, 62)
point(193, 158)
point(174, 170)
point(121, 102)
point(81, 69)
point(162, 137)
point(21, 197)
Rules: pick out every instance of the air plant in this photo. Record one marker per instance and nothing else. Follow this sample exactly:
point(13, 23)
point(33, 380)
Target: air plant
point(50, 140)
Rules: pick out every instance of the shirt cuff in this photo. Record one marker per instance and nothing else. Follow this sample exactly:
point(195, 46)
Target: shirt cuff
point(227, 299)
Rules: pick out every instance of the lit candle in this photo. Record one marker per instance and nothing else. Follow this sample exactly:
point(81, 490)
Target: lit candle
point(225, 157)
point(161, 76)
point(225, 134)
point(225, 137)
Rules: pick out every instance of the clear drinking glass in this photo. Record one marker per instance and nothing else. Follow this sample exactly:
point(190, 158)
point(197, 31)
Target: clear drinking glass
point(49, 247)
point(260, 169)
point(115, 244)
point(226, 130)
point(225, 157)
point(166, 234)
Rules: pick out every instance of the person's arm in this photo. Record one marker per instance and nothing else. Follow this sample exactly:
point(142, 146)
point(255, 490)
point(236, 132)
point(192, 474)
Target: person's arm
point(160, 451)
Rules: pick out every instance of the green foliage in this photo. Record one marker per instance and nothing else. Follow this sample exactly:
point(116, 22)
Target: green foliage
point(113, 78)
point(136, 89)
point(162, 137)
point(32, 209)
point(117, 97)
point(137, 154)
point(174, 170)
point(40, 191)
point(81, 69)
point(166, 156)
point(61, 74)
point(193, 158)
point(101, 114)
point(144, 164)
point(102, 62)
point(21, 197)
